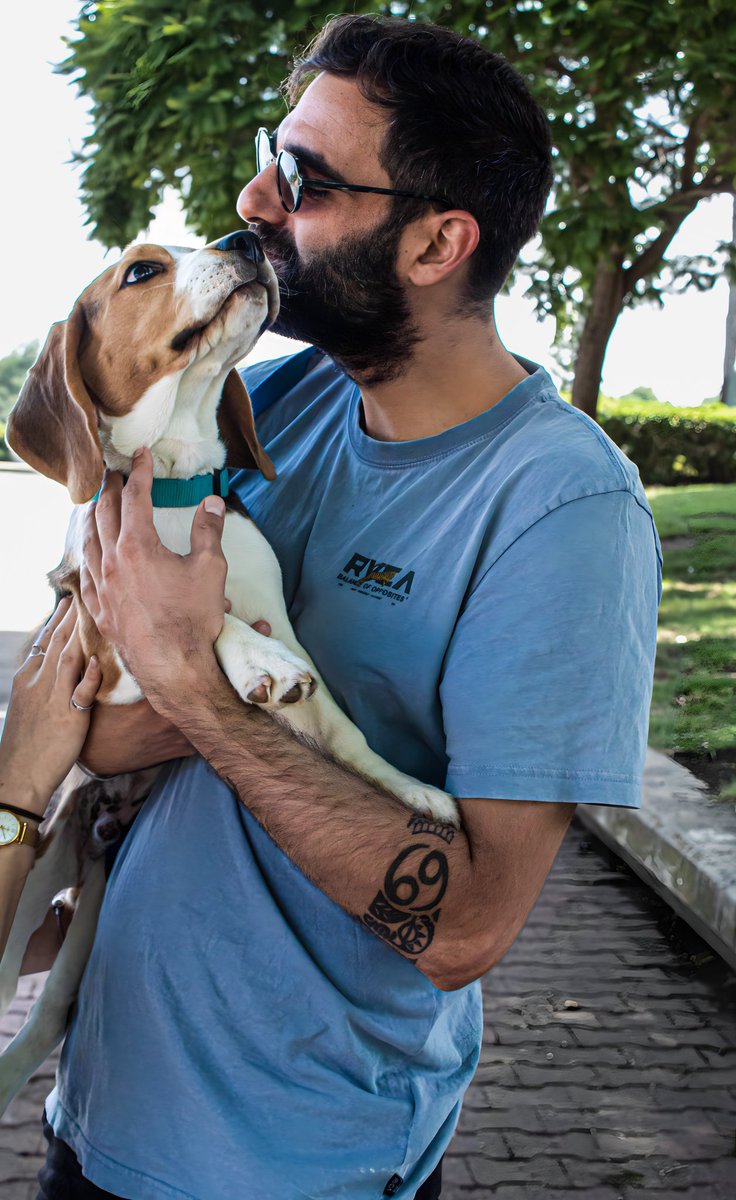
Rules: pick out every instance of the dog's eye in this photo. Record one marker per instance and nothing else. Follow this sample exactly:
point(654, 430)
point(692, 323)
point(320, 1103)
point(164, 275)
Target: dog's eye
point(139, 272)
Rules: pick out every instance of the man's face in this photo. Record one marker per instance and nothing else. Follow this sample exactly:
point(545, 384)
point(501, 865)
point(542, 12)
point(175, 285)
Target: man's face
point(336, 257)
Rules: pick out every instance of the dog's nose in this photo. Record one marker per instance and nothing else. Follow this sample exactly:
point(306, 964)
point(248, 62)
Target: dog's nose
point(243, 242)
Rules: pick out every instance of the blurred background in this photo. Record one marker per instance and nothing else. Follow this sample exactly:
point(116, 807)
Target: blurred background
point(130, 119)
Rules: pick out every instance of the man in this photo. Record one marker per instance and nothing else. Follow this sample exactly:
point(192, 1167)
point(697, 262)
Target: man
point(283, 999)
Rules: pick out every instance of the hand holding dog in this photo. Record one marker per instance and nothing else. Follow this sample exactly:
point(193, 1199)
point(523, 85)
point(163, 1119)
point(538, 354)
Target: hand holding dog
point(43, 732)
point(163, 611)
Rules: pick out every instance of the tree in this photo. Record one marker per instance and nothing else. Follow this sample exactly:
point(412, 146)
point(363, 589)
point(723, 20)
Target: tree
point(641, 95)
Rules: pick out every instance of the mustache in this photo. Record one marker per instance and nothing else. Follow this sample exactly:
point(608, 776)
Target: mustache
point(277, 241)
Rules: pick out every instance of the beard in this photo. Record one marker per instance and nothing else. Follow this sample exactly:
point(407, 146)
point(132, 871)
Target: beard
point(346, 300)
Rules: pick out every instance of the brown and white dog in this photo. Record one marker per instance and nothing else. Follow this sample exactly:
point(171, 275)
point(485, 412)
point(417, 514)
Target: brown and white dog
point(147, 358)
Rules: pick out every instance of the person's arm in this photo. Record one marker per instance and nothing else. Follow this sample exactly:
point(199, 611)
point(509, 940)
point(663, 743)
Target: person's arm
point(357, 844)
point(42, 737)
point(130, 737)
point(450, 900)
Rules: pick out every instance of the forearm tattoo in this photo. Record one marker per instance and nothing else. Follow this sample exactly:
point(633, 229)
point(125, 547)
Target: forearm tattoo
point(406, 910)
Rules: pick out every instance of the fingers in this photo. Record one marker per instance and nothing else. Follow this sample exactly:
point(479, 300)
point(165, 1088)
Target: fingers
point(88, 686)
point(63, 618)
point(137, 506)
point(70, 655)
point(262, 627)
point(207, 527)
point(91, 570)
point(107, 510)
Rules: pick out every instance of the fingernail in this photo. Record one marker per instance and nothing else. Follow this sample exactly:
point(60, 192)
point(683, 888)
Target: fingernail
point(94, 661)
point(216, 505)
point(137, 453)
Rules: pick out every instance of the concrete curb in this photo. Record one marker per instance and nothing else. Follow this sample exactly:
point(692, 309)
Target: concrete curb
point(681, 845)
point(14, 465)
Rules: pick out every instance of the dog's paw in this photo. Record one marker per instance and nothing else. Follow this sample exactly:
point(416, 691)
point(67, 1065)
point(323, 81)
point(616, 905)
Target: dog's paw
point(422, 797)
point(431, 802)
point(262, 670)
point(275, 677)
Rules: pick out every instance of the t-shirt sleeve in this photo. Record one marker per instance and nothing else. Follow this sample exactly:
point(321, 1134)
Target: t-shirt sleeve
point(547, 680)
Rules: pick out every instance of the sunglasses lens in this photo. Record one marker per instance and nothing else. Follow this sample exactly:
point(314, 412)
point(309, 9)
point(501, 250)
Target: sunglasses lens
point(289, 180)
point(264, 157)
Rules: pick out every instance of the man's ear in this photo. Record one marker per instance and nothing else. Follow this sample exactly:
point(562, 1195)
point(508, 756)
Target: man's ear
point(238, 431)
point(53, 426)
point(441, 244)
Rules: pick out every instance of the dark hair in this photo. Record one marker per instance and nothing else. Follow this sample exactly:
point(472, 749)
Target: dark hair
point(462, 124)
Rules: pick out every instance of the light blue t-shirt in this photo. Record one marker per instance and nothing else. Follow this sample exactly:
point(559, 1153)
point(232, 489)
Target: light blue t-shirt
point(483, 604)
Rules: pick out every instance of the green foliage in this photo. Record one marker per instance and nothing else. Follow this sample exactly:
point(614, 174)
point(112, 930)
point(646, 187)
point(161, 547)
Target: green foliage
point(672, 445)
point(641, 95)
point(13, 370)
point(643, 394)
point(5, 455)
point(178, 90)
point(693, 710)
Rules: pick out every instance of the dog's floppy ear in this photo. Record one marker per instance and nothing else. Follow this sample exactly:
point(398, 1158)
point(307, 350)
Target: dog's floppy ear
point(238, 431)
point(53, 425)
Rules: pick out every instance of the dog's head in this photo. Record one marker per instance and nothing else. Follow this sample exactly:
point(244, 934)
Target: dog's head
point(160, 316)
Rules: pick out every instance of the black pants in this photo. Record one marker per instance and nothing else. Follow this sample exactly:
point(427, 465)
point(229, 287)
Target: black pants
point(61, 1177)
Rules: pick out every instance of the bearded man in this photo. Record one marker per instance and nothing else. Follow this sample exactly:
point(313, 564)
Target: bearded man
point(283, 999)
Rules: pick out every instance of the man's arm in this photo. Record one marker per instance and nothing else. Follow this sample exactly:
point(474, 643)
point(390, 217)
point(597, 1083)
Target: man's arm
point(450, 900)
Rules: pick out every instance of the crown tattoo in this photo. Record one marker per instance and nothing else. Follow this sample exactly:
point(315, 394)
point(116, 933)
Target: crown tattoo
point(426, 825)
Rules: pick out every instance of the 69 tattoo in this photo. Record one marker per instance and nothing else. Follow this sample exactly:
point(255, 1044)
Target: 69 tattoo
point(406, 910)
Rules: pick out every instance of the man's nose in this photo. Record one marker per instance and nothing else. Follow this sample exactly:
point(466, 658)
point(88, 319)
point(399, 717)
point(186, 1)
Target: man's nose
point(259, 200)
point(242, 242)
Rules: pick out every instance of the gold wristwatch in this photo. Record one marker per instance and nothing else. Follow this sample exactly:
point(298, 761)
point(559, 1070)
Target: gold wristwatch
point(14, 828)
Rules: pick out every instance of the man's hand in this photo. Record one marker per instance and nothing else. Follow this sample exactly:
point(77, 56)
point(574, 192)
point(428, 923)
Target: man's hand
point(163, 611)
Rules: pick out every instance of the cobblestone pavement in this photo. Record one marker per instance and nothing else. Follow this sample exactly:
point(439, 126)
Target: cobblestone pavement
point(625, 1092)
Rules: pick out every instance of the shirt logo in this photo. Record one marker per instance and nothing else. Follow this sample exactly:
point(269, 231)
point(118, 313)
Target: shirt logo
point(381, 580)
point(393, 1185)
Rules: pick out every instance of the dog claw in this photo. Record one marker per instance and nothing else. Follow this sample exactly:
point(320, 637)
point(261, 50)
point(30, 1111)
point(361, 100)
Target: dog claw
point(265, 689)
point(261, 692)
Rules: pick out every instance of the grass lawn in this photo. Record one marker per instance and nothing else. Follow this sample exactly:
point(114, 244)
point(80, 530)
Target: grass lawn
point(693, 712)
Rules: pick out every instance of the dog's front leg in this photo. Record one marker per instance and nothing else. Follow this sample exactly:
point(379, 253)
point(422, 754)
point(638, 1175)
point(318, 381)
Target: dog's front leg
point(47, 1022)
point(324, 722)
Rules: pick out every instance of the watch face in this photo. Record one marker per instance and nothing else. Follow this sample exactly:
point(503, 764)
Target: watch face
point(9, 827)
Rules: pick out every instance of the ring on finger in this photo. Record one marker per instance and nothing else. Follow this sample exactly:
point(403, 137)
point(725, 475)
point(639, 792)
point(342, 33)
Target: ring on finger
point(36, 651)
point(81, 707)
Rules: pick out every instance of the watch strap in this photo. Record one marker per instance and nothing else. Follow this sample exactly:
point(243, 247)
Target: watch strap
point(20, 812)
point(28, 835)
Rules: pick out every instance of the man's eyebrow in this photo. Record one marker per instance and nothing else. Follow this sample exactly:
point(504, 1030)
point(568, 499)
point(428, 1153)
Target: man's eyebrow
point(314, 161)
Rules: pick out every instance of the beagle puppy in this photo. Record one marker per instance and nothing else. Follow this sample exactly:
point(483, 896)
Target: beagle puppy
point(147, 358)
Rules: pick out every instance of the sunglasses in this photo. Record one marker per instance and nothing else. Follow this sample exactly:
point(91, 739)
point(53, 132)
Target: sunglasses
point(291, 183)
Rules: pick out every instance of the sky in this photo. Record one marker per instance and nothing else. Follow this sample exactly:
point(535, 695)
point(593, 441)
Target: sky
point(48, 257)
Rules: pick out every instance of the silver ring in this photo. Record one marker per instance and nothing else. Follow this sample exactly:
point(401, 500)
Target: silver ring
point(81, 707)
point(36, 651)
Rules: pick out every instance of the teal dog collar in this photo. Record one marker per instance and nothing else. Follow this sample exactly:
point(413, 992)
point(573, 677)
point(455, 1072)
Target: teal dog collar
point(187, 493)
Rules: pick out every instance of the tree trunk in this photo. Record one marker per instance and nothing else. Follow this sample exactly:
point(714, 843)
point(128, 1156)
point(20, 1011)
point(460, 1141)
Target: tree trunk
point(607, 300)
point(728, 391)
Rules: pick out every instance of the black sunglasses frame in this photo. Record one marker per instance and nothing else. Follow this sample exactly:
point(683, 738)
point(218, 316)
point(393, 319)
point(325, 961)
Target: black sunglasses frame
point(319, 184)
